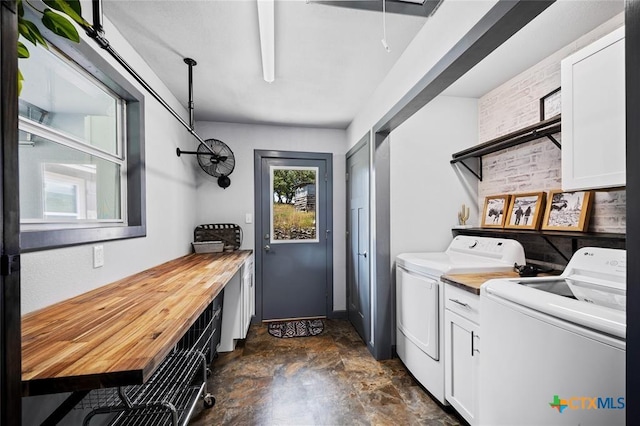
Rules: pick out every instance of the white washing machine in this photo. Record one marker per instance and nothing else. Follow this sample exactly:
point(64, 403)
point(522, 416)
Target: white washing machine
point(420, 299)
point(553, 349)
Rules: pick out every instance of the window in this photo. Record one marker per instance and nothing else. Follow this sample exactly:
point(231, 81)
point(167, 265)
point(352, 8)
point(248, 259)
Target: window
point(293, 208)
point(80, 150)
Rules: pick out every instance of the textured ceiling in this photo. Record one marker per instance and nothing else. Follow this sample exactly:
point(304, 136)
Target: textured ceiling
point(329, 60)
point(558, 26)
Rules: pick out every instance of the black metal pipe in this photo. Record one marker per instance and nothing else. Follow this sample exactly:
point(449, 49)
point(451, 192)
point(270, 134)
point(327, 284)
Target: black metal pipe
point(104, 44)
point(64, 408)
point(191, 64)
point(97, 17)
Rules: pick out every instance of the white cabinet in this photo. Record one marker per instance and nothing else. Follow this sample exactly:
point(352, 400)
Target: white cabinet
point(248, 297)
point(462, 355)
point(238, 306)
point(593, 115)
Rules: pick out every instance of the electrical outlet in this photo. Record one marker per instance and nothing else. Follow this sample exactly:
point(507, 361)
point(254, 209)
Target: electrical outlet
point(248, 218)
point(98, 256)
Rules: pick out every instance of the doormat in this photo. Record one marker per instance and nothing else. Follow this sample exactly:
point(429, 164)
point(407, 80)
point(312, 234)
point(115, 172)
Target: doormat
point(298, 328)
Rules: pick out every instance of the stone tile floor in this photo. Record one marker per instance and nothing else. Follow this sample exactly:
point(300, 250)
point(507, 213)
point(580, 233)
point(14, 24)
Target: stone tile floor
point(329, 379)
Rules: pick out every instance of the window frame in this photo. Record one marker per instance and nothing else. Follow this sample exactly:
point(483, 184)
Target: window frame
point(134, 196)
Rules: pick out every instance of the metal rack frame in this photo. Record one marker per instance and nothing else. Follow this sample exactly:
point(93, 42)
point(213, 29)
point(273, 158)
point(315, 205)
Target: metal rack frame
point(471, 158)
point(169, 397)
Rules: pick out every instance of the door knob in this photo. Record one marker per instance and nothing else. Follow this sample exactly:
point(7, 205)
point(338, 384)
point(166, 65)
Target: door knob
point(267, 247)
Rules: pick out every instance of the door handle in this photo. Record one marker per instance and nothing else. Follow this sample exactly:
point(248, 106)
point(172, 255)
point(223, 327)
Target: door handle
point(267, 247)
point(473, 338)
point(363, 254)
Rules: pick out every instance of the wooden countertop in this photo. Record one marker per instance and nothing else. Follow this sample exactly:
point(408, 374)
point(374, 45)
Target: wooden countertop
point(472, 282)
point(118, 334)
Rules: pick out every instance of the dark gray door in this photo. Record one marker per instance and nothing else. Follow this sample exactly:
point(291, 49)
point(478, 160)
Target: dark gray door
point(293, 235)
point(358, 286)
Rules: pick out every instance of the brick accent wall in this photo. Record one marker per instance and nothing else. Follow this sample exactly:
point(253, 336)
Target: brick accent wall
point(536, 165)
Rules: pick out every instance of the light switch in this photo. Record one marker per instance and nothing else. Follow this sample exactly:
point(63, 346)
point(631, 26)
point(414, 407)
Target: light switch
point(248, 218)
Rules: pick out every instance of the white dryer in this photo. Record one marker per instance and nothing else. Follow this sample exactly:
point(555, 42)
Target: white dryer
point(420, 299)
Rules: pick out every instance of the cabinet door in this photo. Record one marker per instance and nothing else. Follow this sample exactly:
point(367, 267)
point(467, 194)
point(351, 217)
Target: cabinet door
point(462, 362)
point(593, 115)
point(246, 301)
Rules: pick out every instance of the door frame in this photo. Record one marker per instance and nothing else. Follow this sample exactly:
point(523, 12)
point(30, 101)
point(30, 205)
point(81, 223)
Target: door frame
point(258, 232)
point(364, 143)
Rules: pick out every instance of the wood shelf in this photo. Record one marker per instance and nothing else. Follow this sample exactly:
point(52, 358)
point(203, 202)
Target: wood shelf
point(471, 158)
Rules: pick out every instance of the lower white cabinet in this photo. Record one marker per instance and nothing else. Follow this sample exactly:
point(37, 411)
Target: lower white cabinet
point(248, 298)
point(462, 355)
point(238, 306)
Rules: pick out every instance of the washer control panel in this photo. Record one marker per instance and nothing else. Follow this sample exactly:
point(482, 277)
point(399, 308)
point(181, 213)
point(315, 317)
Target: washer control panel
point(495, 248)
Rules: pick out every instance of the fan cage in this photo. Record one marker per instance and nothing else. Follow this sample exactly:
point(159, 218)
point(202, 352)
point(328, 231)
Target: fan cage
point(217, 149)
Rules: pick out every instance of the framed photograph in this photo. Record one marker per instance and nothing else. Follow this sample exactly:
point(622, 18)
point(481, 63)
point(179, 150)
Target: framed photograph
point(525, 211)
point(550, 105)
point(495, 207)
point(567, 211)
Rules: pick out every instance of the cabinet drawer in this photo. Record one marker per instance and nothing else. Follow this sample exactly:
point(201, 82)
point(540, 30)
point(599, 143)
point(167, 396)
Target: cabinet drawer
point(462, 302)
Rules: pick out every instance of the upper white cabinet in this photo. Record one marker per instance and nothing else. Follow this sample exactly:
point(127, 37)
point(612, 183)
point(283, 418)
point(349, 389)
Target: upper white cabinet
point(593, 115)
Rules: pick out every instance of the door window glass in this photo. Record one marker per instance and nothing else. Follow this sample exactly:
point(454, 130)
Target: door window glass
point(293, 208)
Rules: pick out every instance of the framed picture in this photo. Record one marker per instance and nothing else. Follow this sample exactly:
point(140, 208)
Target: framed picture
point(495, 207)
point(525, 211)
point(567, 211)
point(550, 105)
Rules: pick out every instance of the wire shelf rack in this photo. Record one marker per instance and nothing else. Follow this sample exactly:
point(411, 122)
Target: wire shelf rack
point(170, 395)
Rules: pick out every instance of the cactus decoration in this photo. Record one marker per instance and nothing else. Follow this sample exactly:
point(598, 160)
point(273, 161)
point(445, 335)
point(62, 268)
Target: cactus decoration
point(463, 215)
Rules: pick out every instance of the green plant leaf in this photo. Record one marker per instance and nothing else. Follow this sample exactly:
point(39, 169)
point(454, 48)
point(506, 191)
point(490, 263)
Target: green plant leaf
point(60, 25)
point(23, 52)
point(20, 80)
point(20, 9)
point(29, 31)
point(71, 8)
point(23, 29)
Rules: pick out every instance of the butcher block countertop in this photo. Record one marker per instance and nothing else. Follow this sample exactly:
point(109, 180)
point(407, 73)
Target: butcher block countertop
point(472, 282)
point(118, 334)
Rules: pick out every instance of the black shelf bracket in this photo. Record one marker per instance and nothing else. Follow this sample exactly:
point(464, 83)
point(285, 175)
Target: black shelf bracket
point(539, 130)
point(557, 250)
point(474, 165)
point(555, 141)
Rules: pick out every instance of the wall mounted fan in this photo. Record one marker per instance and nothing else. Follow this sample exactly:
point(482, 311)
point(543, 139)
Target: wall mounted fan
point(216, 159)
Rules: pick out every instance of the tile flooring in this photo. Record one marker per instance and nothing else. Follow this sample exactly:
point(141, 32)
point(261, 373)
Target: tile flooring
point(330, 379)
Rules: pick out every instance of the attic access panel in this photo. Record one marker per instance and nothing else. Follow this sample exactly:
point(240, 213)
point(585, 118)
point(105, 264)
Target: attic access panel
point(402, 7)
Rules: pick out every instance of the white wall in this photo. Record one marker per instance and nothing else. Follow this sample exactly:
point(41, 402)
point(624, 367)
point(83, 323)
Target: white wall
point(439, 34)
point(53, 275)
point(426, 191)
point(217, 205)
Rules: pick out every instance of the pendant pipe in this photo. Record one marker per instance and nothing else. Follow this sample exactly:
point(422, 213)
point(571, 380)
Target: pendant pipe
point(96, 32)
point(191, 63)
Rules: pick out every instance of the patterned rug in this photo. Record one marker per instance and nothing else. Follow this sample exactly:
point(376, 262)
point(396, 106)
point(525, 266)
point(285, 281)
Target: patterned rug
point(298, 328)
